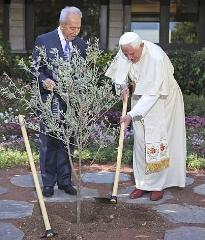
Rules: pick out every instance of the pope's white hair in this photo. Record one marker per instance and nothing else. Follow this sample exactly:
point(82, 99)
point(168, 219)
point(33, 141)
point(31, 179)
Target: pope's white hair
point(131, 39)
point(68, 10)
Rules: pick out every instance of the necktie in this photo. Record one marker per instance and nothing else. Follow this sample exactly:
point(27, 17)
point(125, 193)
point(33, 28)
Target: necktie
point(67, 49)
point(55, 107)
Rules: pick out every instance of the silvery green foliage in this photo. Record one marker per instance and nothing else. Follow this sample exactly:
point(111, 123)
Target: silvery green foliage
point(9, 115)
point(84, 91)
point(78, 85)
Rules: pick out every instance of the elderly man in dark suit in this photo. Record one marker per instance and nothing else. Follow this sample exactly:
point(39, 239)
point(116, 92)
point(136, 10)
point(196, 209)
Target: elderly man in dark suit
point(54, 163)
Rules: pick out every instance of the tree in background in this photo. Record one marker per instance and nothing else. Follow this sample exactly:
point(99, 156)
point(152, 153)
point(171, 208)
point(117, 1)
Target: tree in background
point(185, 32)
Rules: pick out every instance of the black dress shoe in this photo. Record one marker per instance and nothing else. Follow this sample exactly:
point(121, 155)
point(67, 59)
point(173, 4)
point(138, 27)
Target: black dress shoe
point(48, 191)
point(68, 189)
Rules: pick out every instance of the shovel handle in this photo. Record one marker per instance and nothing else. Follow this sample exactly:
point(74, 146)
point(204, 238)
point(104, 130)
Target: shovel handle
point(34, 173)
point(119, 151)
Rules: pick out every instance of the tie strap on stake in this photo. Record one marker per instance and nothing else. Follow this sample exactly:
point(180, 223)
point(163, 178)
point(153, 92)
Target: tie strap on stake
point(49, 232)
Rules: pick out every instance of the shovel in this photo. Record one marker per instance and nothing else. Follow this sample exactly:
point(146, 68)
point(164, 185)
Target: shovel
point(113, 198)
point(49, 232)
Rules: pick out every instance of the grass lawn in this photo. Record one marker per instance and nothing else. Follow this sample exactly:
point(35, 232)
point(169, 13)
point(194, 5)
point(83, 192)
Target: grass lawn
point(10, 157)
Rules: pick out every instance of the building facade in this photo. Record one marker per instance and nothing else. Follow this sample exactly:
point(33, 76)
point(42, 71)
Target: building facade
point(169, 23)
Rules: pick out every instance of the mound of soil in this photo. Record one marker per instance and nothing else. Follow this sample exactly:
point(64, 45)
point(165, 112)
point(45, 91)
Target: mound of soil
point(99, 221)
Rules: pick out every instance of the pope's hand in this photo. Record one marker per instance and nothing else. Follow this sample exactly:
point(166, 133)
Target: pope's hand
point(127, 119)
point(48, 84)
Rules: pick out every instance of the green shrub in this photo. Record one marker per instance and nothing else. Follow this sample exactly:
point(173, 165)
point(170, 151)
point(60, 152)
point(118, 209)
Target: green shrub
point(194, 105)
point(11, 157)
point(189, 70)
point(189, 67)
point(107, 154)
point(181, 62)
point(189, 73)
point(9, 64)
point(197, 72)
point(105, 58)
point(195, 162)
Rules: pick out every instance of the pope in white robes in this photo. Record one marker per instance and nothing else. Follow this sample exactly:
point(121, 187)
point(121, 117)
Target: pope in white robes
point(157, 115)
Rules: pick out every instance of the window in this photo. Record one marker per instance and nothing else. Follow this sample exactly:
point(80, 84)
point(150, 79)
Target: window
point(147, 30)
point(145, 19)
point(183, 21)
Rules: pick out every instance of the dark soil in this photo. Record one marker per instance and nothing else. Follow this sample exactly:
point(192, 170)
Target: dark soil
point(99, 221)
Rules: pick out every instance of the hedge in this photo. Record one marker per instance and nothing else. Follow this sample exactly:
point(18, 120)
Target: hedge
point(189, 67)
point(189, 70)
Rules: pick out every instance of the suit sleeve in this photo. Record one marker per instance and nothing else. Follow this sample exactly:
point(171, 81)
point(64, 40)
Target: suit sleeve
point(38, 63)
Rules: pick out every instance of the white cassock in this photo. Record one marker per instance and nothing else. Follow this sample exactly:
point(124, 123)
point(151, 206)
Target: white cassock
point(157, 109)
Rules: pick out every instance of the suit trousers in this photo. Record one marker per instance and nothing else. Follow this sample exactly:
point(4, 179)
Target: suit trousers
point(54, 162)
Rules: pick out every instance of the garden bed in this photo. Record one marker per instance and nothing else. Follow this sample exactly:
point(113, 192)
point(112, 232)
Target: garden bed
point(99, 222)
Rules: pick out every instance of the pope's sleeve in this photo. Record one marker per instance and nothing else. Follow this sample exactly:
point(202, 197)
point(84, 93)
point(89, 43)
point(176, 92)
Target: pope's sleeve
point(118, 71)
point(144, 104)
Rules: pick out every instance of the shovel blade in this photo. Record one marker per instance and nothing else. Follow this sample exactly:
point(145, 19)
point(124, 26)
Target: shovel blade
point(107, 200)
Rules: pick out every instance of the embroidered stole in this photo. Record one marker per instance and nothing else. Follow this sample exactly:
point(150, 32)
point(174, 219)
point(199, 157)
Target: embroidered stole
point(156, 143)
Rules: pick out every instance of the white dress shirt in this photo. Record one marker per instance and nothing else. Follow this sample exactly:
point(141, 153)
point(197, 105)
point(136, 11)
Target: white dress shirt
point(62, 39)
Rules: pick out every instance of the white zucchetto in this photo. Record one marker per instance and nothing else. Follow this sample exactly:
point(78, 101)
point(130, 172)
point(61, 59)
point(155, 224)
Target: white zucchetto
point(130, 37)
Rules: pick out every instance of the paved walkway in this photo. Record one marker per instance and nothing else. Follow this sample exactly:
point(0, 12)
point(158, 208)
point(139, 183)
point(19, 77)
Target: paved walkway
point(187, 217)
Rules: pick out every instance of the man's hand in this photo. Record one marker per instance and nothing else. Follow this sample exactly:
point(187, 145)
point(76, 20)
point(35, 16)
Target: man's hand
point(127, 119)
point(125, 93)
point(48, 84)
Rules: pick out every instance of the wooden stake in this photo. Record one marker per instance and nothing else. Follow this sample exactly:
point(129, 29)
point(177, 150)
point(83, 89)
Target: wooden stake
point(119, 153)
point(35, 178)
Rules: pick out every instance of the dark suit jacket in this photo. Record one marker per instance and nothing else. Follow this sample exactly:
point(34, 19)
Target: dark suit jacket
point(51, 40)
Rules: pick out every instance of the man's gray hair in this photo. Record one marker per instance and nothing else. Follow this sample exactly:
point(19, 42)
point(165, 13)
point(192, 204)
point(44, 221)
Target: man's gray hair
point(68, 10)
point(131, 39)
